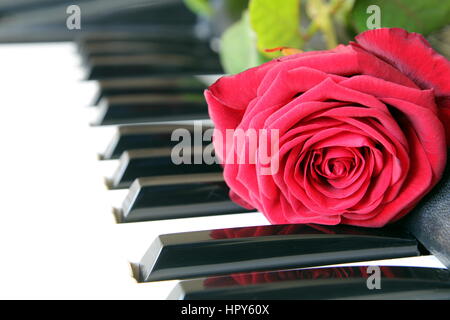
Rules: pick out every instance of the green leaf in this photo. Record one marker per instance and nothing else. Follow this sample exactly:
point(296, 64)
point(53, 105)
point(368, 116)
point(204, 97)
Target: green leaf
point(200, 7)
point(412, 15)
point(276, 24)
point(238, 50)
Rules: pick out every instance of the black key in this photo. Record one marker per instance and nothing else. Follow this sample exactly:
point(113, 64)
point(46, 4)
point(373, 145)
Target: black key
point(321, 283)
point(139, 47)
point(165, 85)
point(150, 65)
point(264, 248)
point(153, 136)
point(170, 35)
point(153, 163)
point(429, 222)
point(173, 197)
point(151, 108)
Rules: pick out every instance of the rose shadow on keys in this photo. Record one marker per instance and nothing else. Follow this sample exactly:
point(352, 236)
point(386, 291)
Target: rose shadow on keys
point(224, 251)
point(321, 283)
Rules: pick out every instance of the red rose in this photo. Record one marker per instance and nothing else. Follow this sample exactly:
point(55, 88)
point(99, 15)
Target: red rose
point(361, 130)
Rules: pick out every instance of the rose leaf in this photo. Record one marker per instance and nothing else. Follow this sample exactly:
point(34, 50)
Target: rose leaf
point(412, 15)
point(276, 23)
point(238, 50)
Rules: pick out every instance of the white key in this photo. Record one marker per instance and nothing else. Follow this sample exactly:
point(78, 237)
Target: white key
point(62, 240)
point(57, 231)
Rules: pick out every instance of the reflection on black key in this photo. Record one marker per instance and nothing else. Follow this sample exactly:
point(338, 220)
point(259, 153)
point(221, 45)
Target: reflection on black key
point(264, 248)
point(152, 136)
point(160, 85)
point(321, 283)
point(177, 197)
point(150, 65)
point(153, 163)
point(151, 108)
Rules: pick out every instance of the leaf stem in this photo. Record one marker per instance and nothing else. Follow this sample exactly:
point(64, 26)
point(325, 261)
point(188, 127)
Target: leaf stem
point(323, 21)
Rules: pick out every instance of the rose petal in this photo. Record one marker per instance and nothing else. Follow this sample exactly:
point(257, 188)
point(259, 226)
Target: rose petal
point(385, 89)
point(411, 54)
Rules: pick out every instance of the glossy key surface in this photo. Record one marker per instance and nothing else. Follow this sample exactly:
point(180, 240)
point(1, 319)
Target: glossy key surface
point(168, 35)
point(151, 108)
point(153, 163)
point(148, 85)
point(222, 251)
point(139, 47)
point(153, 136)
point(149, 65)
point(174, 197)
point(321, 283)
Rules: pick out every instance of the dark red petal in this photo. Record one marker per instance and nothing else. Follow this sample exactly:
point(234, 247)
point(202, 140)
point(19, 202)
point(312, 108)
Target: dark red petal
point(384, 89)
point(429, 129)
point(236, 91)
point(411, 54)
point(223, 116)
point(418, 183)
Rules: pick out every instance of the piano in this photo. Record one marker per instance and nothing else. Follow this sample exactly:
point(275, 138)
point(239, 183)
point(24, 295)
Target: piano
point(94, 208)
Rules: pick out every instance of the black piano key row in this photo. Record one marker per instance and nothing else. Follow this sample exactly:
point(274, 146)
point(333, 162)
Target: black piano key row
point(144, 81)
point(339, 283)
point(138, 58)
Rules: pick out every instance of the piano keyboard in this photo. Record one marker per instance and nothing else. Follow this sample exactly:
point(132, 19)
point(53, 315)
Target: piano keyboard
point(96, 209)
